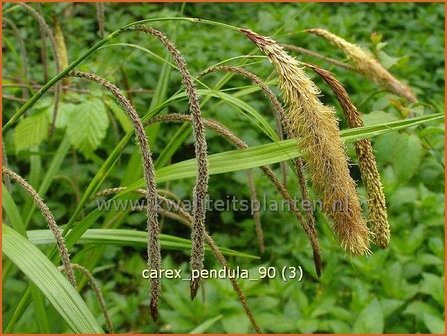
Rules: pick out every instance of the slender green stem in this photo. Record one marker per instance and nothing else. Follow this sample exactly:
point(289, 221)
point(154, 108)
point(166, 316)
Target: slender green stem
point(90, 51)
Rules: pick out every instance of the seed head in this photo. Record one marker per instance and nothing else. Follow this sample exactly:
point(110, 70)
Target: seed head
point(316, 129)
point(377, 216)
point(367, 64)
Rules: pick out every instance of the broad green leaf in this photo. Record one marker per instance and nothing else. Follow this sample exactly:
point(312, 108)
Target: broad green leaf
point(370, 319)
point(433, 285)
point(308, 326)
point(64, 111)
point(339, 327)
point(407, 156)
point(236, 323)
point(389, 306)
point(31, 131)
point(434, 323)
point(419, 308)
point(378, 117)
point(87, 125)
point(56, 288)
point(384, 147)
point(123, 237)
point(387, 60)
point(436, 245)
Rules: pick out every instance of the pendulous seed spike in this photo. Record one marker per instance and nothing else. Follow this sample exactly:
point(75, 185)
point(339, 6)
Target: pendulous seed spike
point(367, 64)
point(153, 228)
point(201, 187)
point(316, 129)
point(378, 218)
point(60, 242)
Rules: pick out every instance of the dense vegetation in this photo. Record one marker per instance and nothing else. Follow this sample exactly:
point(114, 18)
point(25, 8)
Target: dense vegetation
point(399, 289)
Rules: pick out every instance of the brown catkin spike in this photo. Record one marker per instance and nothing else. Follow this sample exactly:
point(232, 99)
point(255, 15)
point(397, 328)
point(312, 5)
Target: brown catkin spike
point(367, 64)
point(378, 218)
point(60, 243)
point(153, 248)
point(43, 25)
point(309, 229)
point(61, 48)
point(201, 186)
point(316, 129)
point(185, 218)
point(98, 294)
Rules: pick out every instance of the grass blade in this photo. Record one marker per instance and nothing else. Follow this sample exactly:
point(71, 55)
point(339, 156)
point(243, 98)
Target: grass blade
point(51, 282)
point(12, 211)
point(51, 171)
point(122, 237)
point(16, 221)
point(274, 152)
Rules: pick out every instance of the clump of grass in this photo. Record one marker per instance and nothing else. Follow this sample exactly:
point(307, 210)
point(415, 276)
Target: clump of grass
point(367, 64)
point(63, 251)
point(280, 187)
point(201, 186)
point(153, 248)
point(97, 290)
point(316, 129)
point(185, 217)
point(378, 218)
point(44, 26)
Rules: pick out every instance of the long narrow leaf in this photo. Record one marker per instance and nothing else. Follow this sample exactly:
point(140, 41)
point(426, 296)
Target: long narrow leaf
point(12, 211)
point(124, 237)
point(31, 261)
point(275, 152)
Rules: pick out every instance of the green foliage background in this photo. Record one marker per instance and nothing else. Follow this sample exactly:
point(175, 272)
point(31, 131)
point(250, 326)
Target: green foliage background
point(396, 290)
